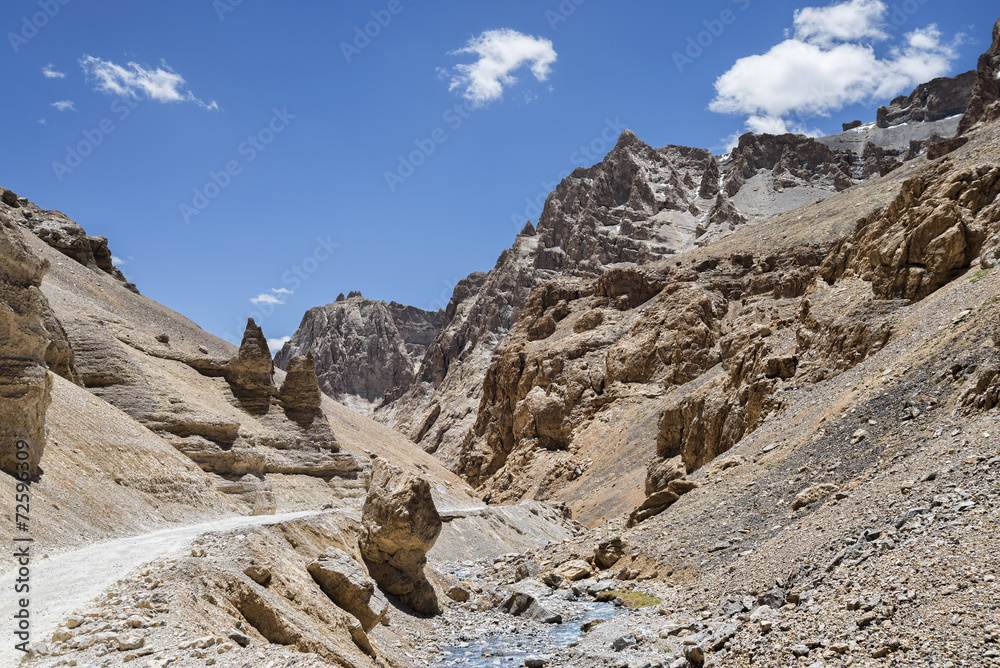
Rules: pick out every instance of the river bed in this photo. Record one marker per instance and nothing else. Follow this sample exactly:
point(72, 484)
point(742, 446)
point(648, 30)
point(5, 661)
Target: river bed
point(506, 650)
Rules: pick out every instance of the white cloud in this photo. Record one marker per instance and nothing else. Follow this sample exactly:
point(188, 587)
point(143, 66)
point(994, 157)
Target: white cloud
point(275, 297)
point(846, 22)
point(276, 344)
point(501, 53)
point(50, 72)
point(139, 81)
point(828, 64)
point(117, 261)
point(64, 105)
point(266, 298)
point(42, 121)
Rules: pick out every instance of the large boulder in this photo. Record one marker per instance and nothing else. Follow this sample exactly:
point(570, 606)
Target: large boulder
point(524, 600)
point(399, 525)
point(25, 384)
point(346, 583)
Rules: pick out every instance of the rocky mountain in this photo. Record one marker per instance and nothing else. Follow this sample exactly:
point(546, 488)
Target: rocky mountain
point(639, 206)
point(936, 100)
point(780, 441)
point(366, 351)
point(710, 340)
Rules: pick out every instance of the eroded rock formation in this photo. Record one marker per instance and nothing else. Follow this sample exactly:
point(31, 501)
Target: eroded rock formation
point(299, 396)
point(932, 101)
point(71, 240)
point(934, 229)
point(251, 372)
point(25, 385)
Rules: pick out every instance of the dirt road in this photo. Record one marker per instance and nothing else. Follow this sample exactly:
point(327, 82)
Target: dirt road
point(66, 582)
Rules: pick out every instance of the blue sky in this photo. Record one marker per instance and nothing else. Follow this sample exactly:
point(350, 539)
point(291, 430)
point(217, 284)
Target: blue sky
point(245, 150)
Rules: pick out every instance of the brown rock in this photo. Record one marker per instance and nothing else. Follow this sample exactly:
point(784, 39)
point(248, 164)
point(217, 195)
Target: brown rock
point(781, 367)
point(609, 552)
point(299, 395)
point(931, 232)
point(71, 240)
point(346, 583)
point(661, 472)
point(574, 570)
point(653, 505)
point(250, 373)
point(458, 593)
point(813, 494)
point(399, 525)
point(25, 385)
point(946, 146)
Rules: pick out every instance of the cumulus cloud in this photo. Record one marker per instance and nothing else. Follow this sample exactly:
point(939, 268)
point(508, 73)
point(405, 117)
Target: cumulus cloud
point(117, 261)
point(846, 22)
point(500, 53)
point(136, 81)
point(827, 64)
point(50, 72)
point(65, 105)
point(277, 344)
point(275, 297)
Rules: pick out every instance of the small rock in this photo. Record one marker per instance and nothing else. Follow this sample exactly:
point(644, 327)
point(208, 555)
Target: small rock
point(240, 639)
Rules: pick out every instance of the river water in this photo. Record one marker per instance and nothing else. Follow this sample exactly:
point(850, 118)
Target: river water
point(512, 649)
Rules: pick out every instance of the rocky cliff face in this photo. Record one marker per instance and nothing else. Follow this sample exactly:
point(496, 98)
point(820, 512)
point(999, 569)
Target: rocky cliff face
point(25, 384)
point(717, 339)
point(638, 206)
point(793, 160)
point(932, 101)
point(222, 410)
point(984, 106)
point(366, 351)
point(67, 237)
